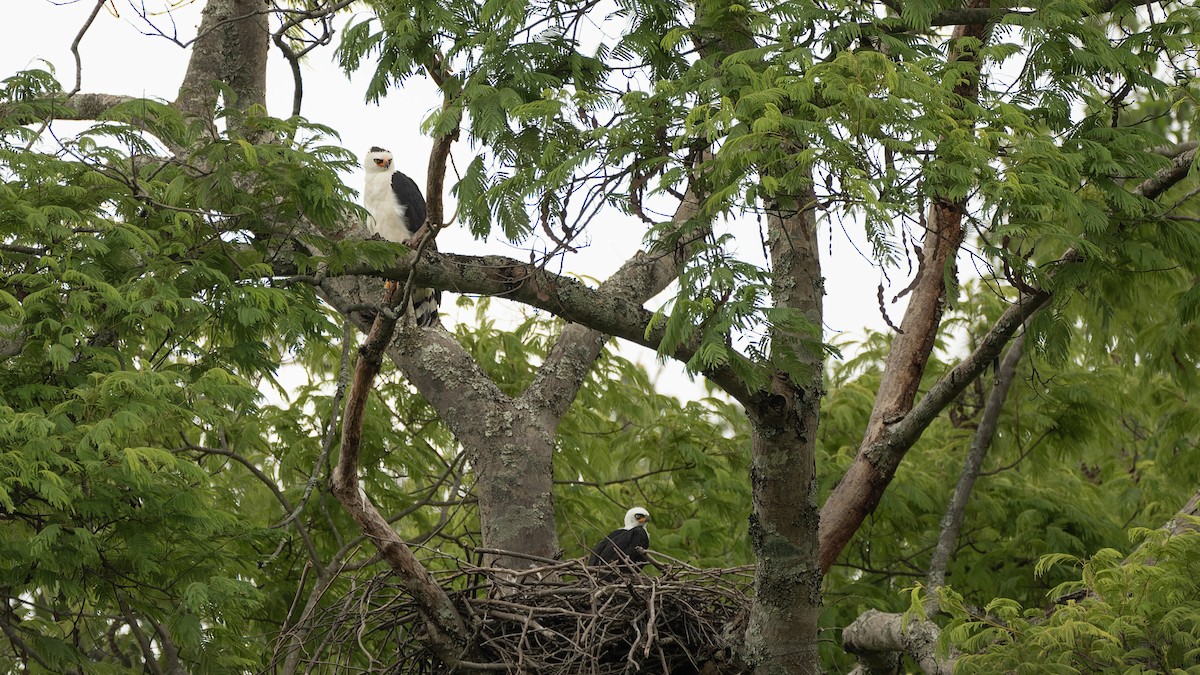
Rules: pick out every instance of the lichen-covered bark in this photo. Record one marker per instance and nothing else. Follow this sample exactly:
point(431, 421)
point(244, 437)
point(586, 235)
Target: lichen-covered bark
point(231, 48)
point(876, 637)
point(782, 634)
point(509, 449)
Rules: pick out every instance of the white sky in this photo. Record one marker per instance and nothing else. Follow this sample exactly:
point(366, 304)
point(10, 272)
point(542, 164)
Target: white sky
point(118, 59)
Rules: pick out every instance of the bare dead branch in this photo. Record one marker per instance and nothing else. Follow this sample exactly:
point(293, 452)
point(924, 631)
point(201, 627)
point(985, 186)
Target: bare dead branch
point(447, 633)
point(75, 46)
point(951, 523)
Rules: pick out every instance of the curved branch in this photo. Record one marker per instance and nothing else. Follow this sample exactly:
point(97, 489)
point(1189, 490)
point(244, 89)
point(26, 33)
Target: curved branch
point(279, 37)
point(883, 455)
point(447, 631)
point(75, 45)
point(641, 277)
point(862, 486)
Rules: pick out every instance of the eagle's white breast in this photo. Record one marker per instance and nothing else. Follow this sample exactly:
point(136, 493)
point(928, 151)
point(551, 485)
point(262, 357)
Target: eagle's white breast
point(388, 218)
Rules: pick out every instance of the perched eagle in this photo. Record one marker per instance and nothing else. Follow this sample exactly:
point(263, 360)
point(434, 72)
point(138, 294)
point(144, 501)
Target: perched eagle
point(621, 546)
point(397, 211)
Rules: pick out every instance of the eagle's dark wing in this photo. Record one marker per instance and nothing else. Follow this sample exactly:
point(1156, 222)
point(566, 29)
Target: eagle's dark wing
point(425, 301)
point(409, 196)
point(606, 550)
point(637, 537)
point(620, 548)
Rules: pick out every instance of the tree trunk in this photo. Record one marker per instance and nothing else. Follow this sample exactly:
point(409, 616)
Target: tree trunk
point(782, 633)
point(510, 441)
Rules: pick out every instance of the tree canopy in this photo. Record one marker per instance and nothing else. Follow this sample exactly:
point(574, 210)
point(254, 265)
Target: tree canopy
point(170, 504)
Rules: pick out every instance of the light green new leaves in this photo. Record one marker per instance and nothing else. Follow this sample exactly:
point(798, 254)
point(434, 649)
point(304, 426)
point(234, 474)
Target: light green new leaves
point(1137, 616)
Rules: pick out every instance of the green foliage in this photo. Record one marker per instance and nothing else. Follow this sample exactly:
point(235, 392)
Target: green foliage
point(1137, 615)
point(803, 105)
point(1088, 445)
point(139, 298)
point(147, 485)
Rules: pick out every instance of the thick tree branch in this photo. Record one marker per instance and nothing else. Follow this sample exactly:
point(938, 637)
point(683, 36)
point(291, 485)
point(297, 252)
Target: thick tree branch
point(641, 277)
point(1181, 523)
point(532, 285)
point(231, 48)
point(875, 636)
point(860, 489)
point(435, 180)
point(883, 456)
point(170, 650)
point(974, 16)
point(1168, 177)
point(881, 452)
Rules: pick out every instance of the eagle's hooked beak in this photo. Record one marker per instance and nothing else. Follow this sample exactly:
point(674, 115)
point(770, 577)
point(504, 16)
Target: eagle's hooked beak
point(643, 519)
point(383, 163)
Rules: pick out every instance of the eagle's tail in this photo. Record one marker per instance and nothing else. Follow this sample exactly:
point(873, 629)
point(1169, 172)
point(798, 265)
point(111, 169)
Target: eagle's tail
point(425, 306)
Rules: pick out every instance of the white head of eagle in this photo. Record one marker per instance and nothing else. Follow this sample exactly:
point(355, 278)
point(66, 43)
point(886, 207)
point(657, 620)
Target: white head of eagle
point(397, 211)
point(621, 546)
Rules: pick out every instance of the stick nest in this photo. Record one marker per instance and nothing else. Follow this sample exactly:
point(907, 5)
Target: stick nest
point(566, 618)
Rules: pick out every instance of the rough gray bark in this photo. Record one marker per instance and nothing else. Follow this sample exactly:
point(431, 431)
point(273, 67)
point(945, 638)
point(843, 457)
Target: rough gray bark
point(608, 312)
point(1180, 524)
point(12, 341)
point(231, 48)
point(782, 633)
